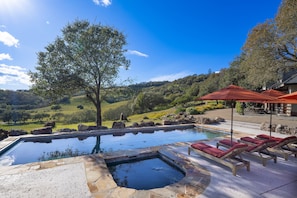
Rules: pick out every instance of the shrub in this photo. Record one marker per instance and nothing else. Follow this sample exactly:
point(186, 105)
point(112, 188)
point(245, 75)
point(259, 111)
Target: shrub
point(220, 106)
point(239, 108)
point(80, 107)
point(200, 109)
point(180, 109)
point(55, 107)
point(192, 111)
point(193, 104)
point(57, 116)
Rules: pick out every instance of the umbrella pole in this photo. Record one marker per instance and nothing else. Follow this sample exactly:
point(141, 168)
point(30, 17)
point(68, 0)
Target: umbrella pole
point(231, 121)
point(270, 124)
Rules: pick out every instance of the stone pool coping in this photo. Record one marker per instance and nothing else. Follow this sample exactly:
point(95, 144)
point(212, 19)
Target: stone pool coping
point(101, 183)
point(4, 144)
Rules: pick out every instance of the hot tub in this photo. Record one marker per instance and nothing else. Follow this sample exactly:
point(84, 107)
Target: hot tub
point(145, 172)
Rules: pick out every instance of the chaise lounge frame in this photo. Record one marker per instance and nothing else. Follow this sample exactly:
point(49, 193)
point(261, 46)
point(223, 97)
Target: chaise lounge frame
point(259, 151)
point(283, 147)
point(233, 160)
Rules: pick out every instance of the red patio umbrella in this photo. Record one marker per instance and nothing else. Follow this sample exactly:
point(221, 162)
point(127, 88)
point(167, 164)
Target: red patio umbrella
point(273, 93)
point(291, 96)
point(235, 93)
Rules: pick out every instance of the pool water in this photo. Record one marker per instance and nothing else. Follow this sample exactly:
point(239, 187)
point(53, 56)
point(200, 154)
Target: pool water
point(145, 174)
point(27, 151)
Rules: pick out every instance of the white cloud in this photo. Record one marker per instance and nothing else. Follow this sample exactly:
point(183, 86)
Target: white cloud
point(13, 75)
point(104, 3)
point(170, 77)
point(47, 22)
point(8, 39)
point(5, 56)
point(137, 53)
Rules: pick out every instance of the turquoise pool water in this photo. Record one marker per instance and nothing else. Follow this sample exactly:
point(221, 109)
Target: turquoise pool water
point(27, 151)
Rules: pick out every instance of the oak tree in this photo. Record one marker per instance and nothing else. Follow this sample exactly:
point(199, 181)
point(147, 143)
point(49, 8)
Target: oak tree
point(87, 57)
point(271, 47)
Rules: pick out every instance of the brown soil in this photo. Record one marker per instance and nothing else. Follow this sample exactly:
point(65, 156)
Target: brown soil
point(290, 121)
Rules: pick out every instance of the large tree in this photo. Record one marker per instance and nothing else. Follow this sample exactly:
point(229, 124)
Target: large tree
point(271, 47)
point(286, 23)
point(87, 57)
point(261, 63)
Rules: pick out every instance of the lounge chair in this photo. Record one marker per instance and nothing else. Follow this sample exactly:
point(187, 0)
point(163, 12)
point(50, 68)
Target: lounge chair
point(283, 147)
point(256, 148)
point(230, 158)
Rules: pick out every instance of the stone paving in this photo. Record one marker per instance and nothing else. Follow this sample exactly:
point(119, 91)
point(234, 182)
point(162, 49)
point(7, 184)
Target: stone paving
point(100, 182)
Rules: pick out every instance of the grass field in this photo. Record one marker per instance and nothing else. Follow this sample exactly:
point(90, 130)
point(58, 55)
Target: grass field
point(68, 109)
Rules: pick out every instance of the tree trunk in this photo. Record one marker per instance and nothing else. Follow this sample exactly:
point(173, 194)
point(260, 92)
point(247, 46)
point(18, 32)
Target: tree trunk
point(99, 117)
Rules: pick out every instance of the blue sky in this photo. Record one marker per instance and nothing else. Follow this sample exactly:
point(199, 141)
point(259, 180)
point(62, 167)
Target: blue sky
point(167, 39)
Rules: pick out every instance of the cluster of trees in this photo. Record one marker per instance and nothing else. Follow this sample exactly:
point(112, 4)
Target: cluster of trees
point(270, 49)
point(22, 116)
point(21, 99)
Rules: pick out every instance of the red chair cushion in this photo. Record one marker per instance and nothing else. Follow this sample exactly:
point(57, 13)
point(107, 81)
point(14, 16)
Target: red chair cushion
point(264, 136)
point(288, 138)
point(228, 142)
point(252, 140)
point(200, 146)
point(214, 152)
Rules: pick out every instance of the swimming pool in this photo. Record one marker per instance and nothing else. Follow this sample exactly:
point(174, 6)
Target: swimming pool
point(27, 151)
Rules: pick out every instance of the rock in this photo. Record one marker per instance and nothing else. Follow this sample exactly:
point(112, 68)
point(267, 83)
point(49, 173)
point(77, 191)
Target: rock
point(135, 124)
point(93, 128)
point(206, 121)
point(101, 128)
point(17, 132)
point(292, 131)
point(219, 119)
point(279, 128)
point(185, 121)
point(51, 124)
point(123, 117)
point(149, 123)
point(169, 122)
point(264, 126)
point(67, 130)
point(44, 130)
point(82, 127)
point(3, 134)
point(198, 120)
point(273, 126)
point(118, 125)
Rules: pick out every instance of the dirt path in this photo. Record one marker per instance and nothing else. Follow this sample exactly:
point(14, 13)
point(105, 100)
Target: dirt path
point(252, 117)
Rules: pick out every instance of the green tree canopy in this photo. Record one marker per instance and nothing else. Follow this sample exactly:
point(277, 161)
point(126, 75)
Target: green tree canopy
point(286, 23)
point(271, 47)
point(147, 101)
point(85, 58)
